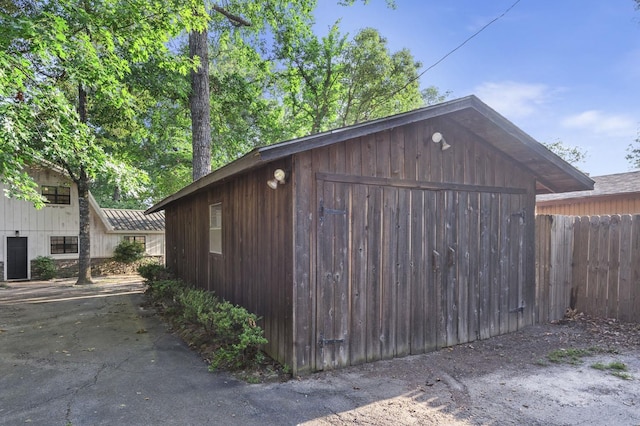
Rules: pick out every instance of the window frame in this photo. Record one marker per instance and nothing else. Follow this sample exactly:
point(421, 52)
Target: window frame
point(136, 239)
point(215, 228)
point(58, 195)
point(68, 244)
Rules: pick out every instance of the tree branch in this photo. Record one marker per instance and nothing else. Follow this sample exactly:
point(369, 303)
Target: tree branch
point(236, 20)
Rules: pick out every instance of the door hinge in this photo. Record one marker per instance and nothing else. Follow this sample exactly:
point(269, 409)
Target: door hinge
point(522, 214)
point(324, 210)
point(323, 342)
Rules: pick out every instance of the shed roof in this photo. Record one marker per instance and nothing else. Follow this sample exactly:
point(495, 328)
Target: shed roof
point(606, 185)
point(553, 174)
point(134, 220)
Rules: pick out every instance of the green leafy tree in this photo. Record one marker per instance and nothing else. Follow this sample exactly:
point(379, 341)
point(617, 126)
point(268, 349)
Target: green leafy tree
point(331, 82)
point(249, 18)
point(64, 82)
point(633, 152)
point(573, 155)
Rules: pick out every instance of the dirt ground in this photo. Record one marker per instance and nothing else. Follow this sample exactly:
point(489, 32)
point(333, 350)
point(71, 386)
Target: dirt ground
point(505, 380)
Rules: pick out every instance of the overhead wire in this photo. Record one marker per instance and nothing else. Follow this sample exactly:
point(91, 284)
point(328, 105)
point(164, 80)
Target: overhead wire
point(452, 51)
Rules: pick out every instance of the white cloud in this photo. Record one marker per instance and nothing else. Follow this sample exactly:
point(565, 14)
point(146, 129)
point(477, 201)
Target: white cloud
point(513, 99)
point(601, 123)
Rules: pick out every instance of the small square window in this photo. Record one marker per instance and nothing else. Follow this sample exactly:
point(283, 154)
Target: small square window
point(215, 228)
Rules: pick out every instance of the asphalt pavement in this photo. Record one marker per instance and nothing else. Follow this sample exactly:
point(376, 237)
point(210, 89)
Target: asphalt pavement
point(95, 356)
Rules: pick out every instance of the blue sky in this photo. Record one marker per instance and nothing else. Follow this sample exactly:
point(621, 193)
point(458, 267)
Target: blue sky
point(563, 70)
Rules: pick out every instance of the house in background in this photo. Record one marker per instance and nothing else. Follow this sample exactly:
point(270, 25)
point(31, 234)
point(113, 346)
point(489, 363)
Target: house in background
point(392, 237)
point(612, 194)
point(27, 233)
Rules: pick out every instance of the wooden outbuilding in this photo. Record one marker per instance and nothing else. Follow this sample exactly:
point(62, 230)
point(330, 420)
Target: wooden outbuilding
point(392, 237)
point(612, 194)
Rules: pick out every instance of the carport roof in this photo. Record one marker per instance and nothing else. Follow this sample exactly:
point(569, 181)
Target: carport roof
point(552, 173)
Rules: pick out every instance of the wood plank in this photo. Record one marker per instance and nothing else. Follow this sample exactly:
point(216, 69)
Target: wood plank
point(303, 318)
point(494, 266)
point(389, 272)
point(580, 263)
point(635, 269)
point(543, 259)
point(614, 268)
point(451, 265)
point(410, 153)
point(397, 154)
point(359, 250)
point(431, 279)
point(326, 310)
point(484, 274)
point(341, 274)
point(625, 302)
point(592, 269)
point(603, 266)
point(427, 185)
point(419, 272)
point(516, 296)
point(374, 278)
point(462, 261)
point(473, 254)
point(403, 262)
point(504, 269)
point(439, 259)
point(383, 155)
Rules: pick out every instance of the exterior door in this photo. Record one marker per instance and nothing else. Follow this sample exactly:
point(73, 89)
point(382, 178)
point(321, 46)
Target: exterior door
point(405, 270)
point(332, 304)
point(16, 258)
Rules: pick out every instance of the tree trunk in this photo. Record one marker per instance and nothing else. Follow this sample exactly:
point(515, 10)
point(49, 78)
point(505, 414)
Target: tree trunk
point(82, 181)
point(200, 107)
point(84, 240)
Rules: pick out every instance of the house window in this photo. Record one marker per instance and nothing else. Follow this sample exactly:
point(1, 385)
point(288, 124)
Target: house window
point(62, 245)
point(215, 228)
point(57, 194)
point(140, 239)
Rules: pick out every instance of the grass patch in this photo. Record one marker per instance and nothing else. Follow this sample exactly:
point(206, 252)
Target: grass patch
point(615, 368)
point(622, 375)
point(571, 356)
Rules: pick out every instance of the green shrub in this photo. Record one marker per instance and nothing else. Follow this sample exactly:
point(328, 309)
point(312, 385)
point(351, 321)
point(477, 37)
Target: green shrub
point(128, 251)
point(198, 306)
point(44, 267)
point(231, 330)
point(238, 335)
point(154, 272)
point(166, 294)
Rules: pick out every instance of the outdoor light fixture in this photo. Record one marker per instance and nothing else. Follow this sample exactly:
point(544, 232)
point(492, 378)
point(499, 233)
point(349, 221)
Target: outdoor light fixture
point(279, 177)
point(17, 233)
point(437, 138)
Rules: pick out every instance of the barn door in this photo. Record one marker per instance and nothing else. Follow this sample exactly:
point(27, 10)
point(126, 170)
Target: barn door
point(16, 258)
point(332, 304)
point(480, 265)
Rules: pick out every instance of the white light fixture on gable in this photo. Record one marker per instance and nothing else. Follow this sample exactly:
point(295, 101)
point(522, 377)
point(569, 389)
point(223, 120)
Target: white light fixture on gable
point(279, 178)
point(437, 138)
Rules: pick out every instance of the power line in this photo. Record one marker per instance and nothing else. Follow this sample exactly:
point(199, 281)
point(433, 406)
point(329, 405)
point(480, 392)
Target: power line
point(453, 50)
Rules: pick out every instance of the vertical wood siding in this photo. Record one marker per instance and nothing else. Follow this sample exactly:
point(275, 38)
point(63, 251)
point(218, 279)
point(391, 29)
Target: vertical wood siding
point(255, 267)
point(618, 204)
point(386, 265)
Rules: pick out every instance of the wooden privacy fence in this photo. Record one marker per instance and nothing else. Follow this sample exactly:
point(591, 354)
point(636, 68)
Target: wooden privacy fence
point(591, 264)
